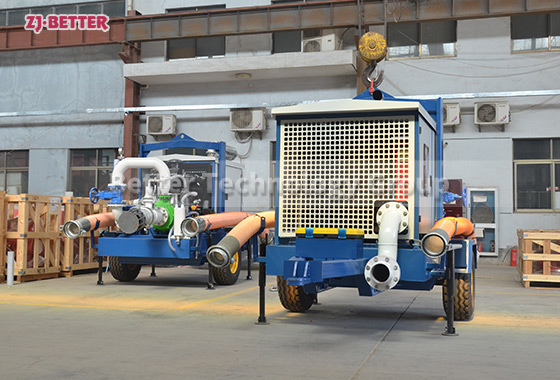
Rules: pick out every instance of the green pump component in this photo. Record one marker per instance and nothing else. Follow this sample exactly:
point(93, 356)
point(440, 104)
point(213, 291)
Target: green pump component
point(164, 201)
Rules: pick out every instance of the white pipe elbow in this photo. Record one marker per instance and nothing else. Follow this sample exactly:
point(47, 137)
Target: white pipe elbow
point(382, 272)
point(117, 178)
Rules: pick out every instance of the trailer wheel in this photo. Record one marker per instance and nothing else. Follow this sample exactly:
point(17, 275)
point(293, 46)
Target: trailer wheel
point(229, 274)
point(293, 298)
point(123, 272)
point(464, 296)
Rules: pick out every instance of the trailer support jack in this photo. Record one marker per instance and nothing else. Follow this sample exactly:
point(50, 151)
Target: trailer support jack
point(262, 282)
point(450, 274)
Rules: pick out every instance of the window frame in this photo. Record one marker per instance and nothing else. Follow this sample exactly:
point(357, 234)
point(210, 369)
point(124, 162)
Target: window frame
point(5, 169)
point(549, 37)
point(196, 39)
point(420, 43)
point(97, 168)
point(551, 162)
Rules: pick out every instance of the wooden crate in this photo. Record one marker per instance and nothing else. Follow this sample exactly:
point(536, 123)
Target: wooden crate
point(77, 254)
point(3, 220)
point(539, 253)
point(33, 233)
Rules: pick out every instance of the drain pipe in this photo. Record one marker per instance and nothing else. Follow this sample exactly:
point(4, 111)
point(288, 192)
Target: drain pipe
point(382, 272)
point(10, 268)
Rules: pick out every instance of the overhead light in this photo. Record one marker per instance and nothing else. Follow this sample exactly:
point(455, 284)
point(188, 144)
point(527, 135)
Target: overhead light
point(243, 76)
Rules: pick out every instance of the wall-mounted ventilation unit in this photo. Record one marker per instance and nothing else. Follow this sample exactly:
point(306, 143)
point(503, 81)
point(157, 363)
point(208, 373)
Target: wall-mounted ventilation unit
point(451, 114)
point(316, 40)
point(247, 120)
point(161, 125)
point(491, 113)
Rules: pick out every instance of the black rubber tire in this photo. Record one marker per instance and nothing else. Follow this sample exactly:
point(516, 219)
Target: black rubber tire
point(294, 298)
point(123, 272)
point(464, 296)
point(227, 275)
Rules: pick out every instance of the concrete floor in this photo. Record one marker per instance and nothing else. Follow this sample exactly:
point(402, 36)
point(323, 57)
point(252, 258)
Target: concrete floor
point(171, 327)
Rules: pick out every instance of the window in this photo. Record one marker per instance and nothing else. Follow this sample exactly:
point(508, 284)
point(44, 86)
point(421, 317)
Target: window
point(535, 32)
point(90, 168)
point(13, 17)
point(14, 171)
point(286, 42)
point(537, 174)
point(418, 40)
point(196, 47)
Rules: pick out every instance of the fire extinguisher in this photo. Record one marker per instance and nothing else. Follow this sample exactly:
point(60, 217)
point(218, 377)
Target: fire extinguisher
point(480, 247)
point(513, 261)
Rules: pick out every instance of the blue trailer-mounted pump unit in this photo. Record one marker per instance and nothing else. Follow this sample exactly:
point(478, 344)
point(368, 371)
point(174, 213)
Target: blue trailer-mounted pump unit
point(359, 194)
point(180, 178)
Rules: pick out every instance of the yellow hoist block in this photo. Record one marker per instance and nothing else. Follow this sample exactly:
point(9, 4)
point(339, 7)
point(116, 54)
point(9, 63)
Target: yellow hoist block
point(373, 47)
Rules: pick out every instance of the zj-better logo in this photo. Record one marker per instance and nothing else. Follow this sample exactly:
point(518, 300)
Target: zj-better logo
point(36, 23)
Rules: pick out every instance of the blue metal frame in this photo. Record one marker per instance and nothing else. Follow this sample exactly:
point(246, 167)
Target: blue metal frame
point(153, 248)
point(314, 264)
point(184, 141)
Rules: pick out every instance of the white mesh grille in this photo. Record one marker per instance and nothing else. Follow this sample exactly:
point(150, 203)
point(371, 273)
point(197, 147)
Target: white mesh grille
point(332, 171)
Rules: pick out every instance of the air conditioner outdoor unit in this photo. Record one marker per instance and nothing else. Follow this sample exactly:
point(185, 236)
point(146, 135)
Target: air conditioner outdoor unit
point(247, 120)
point(451, 114)
point(160, 125)
point(491, 113)
point(316, 40)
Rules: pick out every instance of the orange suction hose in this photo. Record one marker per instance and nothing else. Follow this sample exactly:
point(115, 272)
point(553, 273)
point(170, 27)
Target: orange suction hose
point(192, 226)
point(74, 228)
point(435, 242)
point(220, 255)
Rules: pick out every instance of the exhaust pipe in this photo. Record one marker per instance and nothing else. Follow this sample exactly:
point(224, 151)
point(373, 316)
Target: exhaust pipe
point(192, 226)
point(75, 228)
point(221, 254)
point(382, 272)
point(434, 244)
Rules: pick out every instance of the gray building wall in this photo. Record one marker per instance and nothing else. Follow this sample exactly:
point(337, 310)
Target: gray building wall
point(59, 80)
point(78, 78)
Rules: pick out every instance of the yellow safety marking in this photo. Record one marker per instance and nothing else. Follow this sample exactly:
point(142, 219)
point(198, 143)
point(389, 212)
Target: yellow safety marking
point(330, 231)
point(520, 294)
point(527, 323)
point(137, 304)
point(209, 300)
point(69, 306)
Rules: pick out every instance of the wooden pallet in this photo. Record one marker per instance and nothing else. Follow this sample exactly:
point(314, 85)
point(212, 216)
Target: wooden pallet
point(3, 221)
point(539, 252)
point(77, 253)
point(33, 232)
point(35, 277)
point(81, 271)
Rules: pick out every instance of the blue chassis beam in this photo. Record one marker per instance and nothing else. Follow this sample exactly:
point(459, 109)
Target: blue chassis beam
point(315, 274)
point(149, 249)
